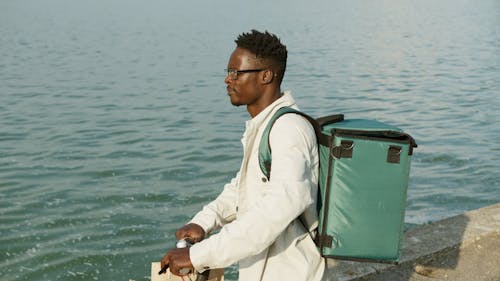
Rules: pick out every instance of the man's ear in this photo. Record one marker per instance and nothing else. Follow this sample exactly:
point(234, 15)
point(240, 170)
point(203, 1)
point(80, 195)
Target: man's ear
point(268, 76)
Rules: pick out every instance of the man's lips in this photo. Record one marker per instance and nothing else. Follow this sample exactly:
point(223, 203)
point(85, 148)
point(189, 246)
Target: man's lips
point(230, 90)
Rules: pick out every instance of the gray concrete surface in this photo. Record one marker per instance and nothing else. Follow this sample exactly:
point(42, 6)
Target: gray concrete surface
point(460, 248)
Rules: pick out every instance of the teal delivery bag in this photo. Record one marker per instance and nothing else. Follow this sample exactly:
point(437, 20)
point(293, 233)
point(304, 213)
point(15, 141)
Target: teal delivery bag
point(363, 179)
point(364, 170)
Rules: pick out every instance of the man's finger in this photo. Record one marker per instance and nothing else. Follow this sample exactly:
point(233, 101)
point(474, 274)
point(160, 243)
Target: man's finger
point(164, 264)
point(163, 269)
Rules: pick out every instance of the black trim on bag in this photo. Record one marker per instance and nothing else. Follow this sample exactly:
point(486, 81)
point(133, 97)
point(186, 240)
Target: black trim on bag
point(395, 262)
point(324, 238)
point(322, 121)
point(387, 136)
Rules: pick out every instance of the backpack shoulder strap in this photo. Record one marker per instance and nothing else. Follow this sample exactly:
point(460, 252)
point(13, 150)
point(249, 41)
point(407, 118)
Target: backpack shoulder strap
point(265, 157)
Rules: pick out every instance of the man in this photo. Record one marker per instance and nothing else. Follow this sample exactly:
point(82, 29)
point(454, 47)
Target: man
point(259, 218)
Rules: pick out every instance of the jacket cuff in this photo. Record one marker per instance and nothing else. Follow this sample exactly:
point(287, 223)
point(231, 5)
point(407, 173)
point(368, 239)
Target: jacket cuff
point(200, 256)
point(204, 223)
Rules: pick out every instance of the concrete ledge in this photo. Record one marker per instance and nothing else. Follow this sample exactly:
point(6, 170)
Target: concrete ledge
point(464, 247)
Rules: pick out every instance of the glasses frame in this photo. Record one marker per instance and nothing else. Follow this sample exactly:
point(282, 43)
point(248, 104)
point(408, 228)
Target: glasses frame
point(233, 73)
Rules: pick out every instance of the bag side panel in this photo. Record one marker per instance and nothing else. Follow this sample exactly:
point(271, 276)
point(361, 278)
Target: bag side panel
point(367, 201)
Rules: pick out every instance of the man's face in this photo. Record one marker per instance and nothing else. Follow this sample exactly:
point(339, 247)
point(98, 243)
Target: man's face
point(246, 89)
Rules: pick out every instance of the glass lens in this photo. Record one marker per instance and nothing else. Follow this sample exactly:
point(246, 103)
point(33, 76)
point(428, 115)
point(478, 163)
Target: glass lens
point(233, 74)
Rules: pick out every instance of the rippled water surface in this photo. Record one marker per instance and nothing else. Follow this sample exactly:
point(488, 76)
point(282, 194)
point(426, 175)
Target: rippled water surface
point(115, 127)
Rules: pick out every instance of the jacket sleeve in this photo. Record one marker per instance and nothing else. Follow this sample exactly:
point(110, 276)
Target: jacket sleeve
point(220, 211)
point(287, 195)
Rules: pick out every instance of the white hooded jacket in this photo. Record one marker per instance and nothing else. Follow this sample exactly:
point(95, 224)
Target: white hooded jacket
point(260, 229)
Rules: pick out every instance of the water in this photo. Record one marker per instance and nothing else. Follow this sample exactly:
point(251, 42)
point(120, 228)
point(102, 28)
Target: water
point(115, 127)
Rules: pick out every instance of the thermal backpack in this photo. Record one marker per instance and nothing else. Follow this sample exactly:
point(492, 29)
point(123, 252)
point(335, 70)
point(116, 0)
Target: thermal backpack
point(364, 167)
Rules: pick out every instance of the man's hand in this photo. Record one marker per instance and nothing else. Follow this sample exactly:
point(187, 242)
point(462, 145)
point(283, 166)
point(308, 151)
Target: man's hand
point(178, 261)
point(192, 232)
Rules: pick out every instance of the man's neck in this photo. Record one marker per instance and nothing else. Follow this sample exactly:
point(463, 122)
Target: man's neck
point(255, 109)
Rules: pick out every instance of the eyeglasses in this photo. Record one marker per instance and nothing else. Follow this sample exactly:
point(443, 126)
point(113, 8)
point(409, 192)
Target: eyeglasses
point(233, 73)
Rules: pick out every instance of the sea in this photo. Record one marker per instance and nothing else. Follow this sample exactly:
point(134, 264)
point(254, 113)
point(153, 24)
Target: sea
point(115, 126)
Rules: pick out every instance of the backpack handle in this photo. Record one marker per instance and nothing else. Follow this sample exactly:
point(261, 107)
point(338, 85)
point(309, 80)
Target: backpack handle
point(322, 121)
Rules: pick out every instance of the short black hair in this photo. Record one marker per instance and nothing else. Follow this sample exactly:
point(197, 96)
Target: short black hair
point(266, 46)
